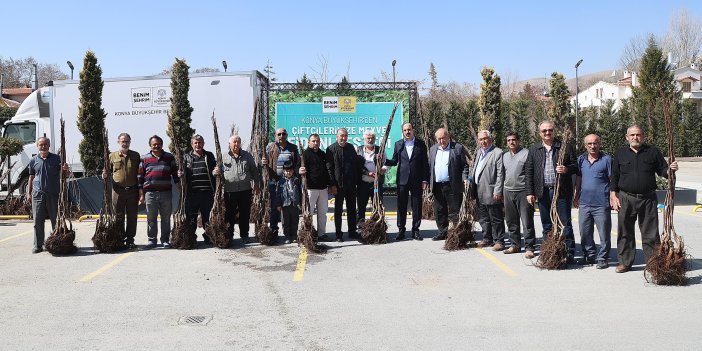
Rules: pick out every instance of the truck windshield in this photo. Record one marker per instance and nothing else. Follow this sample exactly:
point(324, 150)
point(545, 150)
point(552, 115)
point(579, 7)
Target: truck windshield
point(26, 132)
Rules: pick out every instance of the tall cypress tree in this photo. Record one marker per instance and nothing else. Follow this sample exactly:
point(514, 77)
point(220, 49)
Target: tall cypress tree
point(489, 104)
point(181, 110)
point(559, 109)
point(656, 84)
point(91, 115)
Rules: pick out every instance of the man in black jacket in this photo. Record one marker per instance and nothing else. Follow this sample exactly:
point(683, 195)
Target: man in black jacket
point(449, 173)
point(541, 168)
point(317, 176)
point(344, 175)
point(410, 157)
point(633, 194)
point(198, 169)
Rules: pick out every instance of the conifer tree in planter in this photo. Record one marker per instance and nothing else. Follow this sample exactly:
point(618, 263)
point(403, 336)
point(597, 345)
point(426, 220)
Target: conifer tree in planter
point(91, 116)
point(179, 129)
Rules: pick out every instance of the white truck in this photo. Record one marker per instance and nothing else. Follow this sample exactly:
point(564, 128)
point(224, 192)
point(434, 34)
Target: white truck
point(136, 105)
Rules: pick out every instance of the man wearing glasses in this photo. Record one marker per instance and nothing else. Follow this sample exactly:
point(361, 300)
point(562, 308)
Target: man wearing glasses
point(279, 152)
point(541, 169)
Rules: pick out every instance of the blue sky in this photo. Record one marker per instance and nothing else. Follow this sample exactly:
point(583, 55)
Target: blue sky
point(524, 39)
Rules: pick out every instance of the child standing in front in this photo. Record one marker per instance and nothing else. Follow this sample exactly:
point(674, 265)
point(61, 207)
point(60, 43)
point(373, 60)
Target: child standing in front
point(289, 194)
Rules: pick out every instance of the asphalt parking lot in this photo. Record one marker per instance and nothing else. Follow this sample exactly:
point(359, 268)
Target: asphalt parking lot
point(402, 295)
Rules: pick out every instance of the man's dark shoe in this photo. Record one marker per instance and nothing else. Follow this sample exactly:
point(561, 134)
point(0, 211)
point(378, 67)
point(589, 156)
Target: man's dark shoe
point(36, 251)
point(400, 235)
point(324, 238)
point(602, 264)
point(288, 241)
point(416, 236)
point(339, 238)
point(130, 246)
point(246, 240)
point(570, 260)
point(438, 237)
point(588, 261)
point(511, 250)
point(150, 245)
point(622, 268)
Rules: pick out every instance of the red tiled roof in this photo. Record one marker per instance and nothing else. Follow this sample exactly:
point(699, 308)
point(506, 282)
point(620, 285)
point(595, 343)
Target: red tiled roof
point(16, 91)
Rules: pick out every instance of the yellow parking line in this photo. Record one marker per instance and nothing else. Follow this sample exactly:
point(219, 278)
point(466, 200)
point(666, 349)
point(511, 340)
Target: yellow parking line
point(300, 269)
point(106, 267)
point(498, 263)
point(16, 236)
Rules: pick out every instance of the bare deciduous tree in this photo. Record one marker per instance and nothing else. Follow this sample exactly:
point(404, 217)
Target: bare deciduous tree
point(18, 72)
point(684, 38)
point(320, 72)
point(633, 51)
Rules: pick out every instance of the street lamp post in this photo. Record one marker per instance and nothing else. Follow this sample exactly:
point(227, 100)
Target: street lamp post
point(224, 64)
point(393, 73)
point(577, 91)
point(70, 65)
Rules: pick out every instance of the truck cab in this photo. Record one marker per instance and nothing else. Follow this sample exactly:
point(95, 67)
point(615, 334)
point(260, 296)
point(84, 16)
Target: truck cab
point(29, 123)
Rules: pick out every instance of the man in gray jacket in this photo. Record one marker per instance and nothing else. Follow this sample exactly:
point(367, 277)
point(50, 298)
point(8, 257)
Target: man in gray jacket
point(241, 176)
point(487, 179)
point(516, 205)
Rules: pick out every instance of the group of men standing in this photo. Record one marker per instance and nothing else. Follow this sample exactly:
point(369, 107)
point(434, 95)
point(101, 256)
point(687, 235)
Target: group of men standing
point(506, 186)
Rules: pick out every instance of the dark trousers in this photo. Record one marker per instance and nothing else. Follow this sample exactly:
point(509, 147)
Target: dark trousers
point(347, 194)
point(198, 202)
point(563, 206)
point(238, 210)
point(447, 202)
point(643, 208)
point(275, 215)
point(516, 208)
point(43, 203)
point(126, 202)
point(291, 218)
point(405, 193)
point(364, 192)
point(491, 219)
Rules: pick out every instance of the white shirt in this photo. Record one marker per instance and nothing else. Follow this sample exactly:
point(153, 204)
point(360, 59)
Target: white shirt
point(441, 163)
point(409, 146)
point(481, 161)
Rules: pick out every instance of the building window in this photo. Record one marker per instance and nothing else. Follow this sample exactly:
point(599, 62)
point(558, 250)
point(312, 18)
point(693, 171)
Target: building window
point(686, 87)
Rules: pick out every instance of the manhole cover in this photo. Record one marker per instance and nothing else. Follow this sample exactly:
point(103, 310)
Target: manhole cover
point(194, 320)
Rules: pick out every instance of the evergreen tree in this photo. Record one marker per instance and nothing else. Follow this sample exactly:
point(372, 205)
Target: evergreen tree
point(91, 116)
point(489, 103)
point(612, 125)
point(519, 118)
point(432, 76)
point(179, 129)
point(656, 89)
point(344, 85)
point(560, 109)
point(692, 129)
point(304, 83)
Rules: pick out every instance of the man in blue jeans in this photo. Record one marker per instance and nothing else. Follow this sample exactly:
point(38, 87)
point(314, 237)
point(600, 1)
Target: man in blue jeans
point(592, 197)
point(541, 168)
